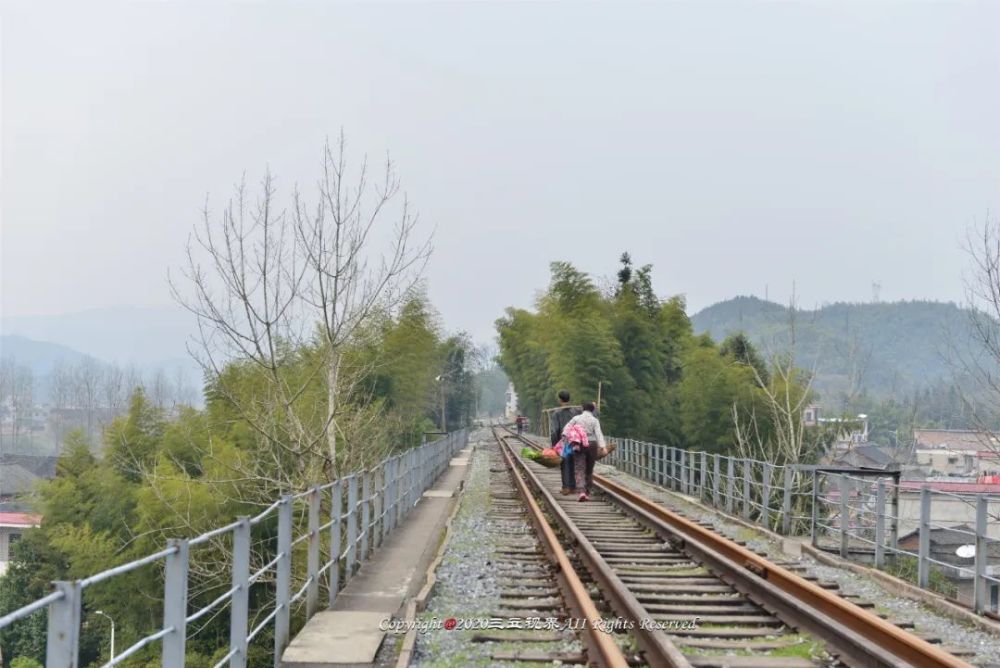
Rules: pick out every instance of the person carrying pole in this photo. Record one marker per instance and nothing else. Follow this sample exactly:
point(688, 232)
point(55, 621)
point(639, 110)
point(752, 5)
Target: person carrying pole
point(558, 419)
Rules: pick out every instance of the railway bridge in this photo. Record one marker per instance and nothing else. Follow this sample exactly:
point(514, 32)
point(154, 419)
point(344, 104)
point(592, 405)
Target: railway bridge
point(462, 552)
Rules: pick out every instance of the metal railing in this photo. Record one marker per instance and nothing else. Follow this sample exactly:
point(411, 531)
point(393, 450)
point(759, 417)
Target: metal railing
point(856, 511)
point(778, 497)
point(861, 516)
point(362, 509)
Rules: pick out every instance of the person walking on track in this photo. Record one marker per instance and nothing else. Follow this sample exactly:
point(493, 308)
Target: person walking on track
point(558, 419)
point(585, 457)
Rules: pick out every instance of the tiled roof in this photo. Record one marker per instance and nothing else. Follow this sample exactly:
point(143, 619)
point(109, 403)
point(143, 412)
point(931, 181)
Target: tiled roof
point(19, 519)
point(954, 487)
point(954, 439)
point(15, 479)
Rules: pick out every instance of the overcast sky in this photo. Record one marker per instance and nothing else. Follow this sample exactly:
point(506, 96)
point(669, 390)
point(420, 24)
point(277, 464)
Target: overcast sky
point(736, 147)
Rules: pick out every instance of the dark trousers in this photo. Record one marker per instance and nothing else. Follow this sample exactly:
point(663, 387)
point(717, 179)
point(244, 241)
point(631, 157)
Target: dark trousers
point(583, 468)
point(566, 467)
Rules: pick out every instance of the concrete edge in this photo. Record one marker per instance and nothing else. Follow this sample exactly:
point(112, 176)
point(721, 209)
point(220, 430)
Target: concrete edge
point(419, 602)
point(933, 600)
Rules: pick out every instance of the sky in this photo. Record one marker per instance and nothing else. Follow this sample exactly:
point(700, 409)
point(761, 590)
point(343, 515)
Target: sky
point(740, 148)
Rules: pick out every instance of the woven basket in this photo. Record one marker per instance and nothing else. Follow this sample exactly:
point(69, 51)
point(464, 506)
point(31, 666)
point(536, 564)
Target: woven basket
point(549, 462)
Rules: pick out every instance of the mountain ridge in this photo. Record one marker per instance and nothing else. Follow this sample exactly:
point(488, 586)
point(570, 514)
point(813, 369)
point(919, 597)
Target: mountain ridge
point(887, 347)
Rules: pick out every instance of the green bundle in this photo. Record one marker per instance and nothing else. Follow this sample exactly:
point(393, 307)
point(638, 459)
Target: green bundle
point(530, 453)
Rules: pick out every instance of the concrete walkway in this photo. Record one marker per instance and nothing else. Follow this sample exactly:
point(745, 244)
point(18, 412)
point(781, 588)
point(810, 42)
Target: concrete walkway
point(349, 635)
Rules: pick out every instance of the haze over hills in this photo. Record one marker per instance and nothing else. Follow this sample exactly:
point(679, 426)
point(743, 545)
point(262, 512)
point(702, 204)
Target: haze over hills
point(151, 339)
point(890, 347)
point(127, 335)
point(39, 356)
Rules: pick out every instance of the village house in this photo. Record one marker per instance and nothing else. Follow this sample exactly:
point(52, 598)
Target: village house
point(12, 526)
point(955, 452)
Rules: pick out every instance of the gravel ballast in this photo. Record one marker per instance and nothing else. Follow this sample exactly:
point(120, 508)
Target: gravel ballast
point(466, 583)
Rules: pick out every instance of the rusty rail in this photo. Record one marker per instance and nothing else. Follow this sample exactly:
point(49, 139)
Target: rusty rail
point(601, 647)
point(859, 636)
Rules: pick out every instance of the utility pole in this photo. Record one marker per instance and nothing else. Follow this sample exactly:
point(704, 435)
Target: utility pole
point(600, 383)
point(444, 414)
point(444, 419)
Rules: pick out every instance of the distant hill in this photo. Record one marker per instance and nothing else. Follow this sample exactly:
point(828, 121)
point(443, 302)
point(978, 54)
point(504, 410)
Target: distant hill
point(39, 356)
point(146, 336)
point(151, 339)
point(899, 346)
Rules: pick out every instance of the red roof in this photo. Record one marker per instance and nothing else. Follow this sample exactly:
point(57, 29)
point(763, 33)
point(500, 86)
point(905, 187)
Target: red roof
point(958, 487)
point(20, 519)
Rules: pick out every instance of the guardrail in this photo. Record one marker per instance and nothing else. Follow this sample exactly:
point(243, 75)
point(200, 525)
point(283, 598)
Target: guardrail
point(778, 497)
point(361, 509)
point(856, 511)
point(861, 516)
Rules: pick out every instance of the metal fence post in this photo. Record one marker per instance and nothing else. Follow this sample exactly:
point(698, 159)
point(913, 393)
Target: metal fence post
point(336, 500)
point(352, 526)
point(765, 496)
point(62, 646)
point(704, 475)
point(379, 487)
point(814, 522)
point(683, 471)
point(240, 610)
point(366, 513)
point(175, 603)
point(730, 484)
point(894, 524)
point(844, 515)
point(786, 501)
point(924, 566)
point(411, 484)
point(283, 579)
point(747, 490)
point(981, 586)
point(691, 470)
point(715, 479)
point(390, 491)
point(312, 555)
point(676, 468)
point(663, 475)
point(880, 524)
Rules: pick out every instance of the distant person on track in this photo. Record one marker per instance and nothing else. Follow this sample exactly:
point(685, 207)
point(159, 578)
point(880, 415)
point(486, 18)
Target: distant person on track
point(519, 422)
point(557, 422)
point(586, 456)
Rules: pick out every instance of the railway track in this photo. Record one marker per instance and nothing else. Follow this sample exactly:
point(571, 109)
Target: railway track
point(659, 571)
point(538, 580)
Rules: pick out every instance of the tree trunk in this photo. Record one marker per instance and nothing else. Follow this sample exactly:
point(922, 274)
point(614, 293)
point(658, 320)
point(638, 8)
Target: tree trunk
point(332, 381)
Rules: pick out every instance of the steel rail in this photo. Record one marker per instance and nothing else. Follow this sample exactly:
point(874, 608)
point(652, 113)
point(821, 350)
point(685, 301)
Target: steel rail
point(658, 649)
point(860, 636)
point(601, 647)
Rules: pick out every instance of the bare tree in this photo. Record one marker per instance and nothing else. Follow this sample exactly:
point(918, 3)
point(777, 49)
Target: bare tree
point(784, 437)
point(345, 286)
point(279, 296)
point(114, 391)
point(61, 390)
point(87, 380)
point(857, 356)
point(159, 389)
point(245, 301)
point(22, 398)
point(975, 356)
point(6, 389)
